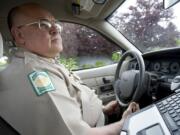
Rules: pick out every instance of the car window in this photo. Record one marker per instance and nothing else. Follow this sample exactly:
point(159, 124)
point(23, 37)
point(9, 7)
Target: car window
point(147, 25)
point(84, 48)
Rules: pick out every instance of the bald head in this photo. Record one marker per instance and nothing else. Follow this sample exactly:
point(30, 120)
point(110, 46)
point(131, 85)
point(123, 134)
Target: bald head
point(21, 13)
point(24, 24)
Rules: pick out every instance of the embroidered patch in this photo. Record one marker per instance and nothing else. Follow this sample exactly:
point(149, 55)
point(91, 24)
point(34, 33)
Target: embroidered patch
point(41, 82)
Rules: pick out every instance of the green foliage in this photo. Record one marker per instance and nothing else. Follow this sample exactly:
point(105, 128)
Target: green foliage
point(87, 66)
point(100, 63)
point(72, 63)
point(116, 56)
point(69, 63)
point(178, 42)
point(156, 48)
point(97, 64)
point(3, 61)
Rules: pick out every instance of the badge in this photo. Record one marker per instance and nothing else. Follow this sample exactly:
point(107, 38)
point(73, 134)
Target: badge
point(41, 82)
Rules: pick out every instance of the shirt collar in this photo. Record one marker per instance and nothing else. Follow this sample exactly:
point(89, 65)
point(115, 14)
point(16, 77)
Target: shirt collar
point(22, 52)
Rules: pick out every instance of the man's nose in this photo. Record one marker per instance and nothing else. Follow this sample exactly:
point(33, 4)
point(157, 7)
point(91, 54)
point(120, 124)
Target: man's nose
point(54, 30)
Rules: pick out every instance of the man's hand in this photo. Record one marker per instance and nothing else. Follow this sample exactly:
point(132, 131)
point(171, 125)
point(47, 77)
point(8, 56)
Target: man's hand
point(133, 107)
point(110, 107)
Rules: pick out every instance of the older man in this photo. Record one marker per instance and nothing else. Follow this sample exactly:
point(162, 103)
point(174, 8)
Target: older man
point(39, 96)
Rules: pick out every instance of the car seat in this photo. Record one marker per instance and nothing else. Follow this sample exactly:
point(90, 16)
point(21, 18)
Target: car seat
point(5, 128)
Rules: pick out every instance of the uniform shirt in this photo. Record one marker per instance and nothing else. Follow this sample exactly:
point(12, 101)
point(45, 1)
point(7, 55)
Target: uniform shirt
point(38, 96)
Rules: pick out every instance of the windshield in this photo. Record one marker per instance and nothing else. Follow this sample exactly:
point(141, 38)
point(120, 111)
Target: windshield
point(147, 25)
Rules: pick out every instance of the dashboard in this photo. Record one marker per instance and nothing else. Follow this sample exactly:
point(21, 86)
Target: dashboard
point(162, 67)
point(164, 63)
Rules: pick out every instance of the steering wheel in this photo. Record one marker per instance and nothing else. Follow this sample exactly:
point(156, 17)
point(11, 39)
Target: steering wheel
point(128, 84)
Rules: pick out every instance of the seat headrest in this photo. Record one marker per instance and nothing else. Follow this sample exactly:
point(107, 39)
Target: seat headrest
point(1, 46)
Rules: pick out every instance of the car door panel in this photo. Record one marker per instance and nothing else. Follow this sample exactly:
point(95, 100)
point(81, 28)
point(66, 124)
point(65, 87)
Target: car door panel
point(101, 79)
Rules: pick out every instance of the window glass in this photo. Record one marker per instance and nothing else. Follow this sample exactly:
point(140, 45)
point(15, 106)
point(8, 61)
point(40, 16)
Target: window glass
point(3, 62)
point(147, 25)
point(85, 48)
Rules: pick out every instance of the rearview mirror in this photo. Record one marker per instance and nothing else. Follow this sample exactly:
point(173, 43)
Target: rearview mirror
point(169, 3)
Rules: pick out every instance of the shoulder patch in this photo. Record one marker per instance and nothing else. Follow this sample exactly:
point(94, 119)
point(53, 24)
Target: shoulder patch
point(41, 82)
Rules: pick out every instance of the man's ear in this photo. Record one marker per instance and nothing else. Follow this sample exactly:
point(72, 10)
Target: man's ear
point(18, 36)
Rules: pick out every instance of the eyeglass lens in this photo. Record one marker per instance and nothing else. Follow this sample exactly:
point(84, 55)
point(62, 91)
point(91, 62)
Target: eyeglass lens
point(47, 25)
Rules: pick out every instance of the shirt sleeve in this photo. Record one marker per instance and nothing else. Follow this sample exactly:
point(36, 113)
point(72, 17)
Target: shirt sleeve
point(67, 107)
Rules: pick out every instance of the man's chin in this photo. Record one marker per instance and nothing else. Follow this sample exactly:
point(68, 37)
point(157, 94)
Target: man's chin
point(58, 50)
point(57, 46)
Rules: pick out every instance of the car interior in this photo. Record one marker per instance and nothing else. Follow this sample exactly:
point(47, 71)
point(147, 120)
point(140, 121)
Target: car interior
point(146, 50)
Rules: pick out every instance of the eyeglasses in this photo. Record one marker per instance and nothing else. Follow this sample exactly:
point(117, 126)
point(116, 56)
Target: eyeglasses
point(44, 24)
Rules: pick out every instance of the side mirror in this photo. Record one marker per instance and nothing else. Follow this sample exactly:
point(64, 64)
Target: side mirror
point(169, 3)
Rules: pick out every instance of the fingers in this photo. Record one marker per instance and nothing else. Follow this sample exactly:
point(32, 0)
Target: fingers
point(126, 113)
point(110, 107)
point(114, 103)
point(133, 107)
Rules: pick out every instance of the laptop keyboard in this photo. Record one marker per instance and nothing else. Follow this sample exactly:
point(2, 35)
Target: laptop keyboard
point(170, 111)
